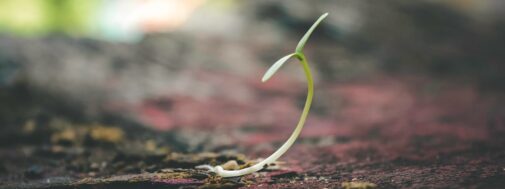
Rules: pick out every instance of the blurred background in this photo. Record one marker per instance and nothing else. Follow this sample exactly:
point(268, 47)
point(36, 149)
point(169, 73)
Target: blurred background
point(392, 76)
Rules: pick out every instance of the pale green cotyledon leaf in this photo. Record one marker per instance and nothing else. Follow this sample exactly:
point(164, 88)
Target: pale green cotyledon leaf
point(271, 71)
point(305, 37)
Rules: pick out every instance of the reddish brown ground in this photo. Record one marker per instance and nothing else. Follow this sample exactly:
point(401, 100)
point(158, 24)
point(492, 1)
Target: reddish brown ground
point(384, 132)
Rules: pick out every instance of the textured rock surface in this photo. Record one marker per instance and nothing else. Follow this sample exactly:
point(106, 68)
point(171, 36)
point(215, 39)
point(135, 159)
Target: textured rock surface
point(384, 133)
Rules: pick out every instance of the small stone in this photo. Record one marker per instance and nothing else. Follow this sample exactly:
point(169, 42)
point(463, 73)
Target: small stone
point(106, 134)
point(231, 165)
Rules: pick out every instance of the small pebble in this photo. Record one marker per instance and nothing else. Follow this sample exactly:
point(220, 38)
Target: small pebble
point(231, 165)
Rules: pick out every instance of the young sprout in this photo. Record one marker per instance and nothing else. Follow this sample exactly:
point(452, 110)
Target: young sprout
point(310, 88)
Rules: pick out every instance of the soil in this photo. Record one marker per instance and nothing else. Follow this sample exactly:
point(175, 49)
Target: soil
point(417, 141)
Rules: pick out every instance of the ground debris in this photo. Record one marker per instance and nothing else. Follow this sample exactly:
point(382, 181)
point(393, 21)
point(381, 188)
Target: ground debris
point(358, 185)
point(69, 133)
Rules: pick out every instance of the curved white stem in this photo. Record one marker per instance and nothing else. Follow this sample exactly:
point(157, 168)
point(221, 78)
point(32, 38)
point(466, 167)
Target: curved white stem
point(272, 158)
point(310, 93)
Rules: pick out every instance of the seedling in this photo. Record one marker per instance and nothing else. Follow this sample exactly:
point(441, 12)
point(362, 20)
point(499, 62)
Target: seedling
point(310, 93)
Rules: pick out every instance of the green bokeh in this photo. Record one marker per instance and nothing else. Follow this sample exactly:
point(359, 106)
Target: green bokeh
point(38, 17)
